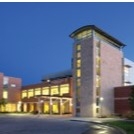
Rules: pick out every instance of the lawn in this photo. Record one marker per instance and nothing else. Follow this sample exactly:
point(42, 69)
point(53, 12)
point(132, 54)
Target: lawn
point(125, 125)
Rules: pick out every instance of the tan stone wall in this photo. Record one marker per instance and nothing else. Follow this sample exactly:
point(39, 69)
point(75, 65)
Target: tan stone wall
point(111, 75)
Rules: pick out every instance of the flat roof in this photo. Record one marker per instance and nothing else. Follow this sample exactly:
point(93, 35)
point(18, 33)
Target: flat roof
point(93, 27)
point(58, 75)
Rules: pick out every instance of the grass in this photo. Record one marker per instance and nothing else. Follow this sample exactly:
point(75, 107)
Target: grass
point(128, 127)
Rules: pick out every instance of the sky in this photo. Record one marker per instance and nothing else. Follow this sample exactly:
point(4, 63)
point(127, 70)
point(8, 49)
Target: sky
point(34, 37)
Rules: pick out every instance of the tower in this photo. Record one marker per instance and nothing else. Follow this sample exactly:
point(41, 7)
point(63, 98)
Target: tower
point(97, 69)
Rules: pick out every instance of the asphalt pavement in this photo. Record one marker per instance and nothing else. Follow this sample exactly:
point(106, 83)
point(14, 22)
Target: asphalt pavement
point(34, 124)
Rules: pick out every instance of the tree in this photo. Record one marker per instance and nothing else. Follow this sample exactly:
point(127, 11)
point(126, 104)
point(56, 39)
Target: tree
point(3, 103)
point(131, 99)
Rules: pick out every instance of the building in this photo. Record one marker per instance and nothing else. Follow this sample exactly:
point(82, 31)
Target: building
point(128, 72)
point(88, 89)
point(121, 95)
point(97, 69)
point(10, 90)
point(52, 96)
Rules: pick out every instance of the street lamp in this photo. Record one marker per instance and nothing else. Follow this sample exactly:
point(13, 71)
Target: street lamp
point(101, 110)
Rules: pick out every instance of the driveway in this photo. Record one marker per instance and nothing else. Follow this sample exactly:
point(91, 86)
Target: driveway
point(43, 125)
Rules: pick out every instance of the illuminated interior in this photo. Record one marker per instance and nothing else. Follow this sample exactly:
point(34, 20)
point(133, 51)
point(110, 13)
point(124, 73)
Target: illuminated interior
point(30, 93)
point(37, 91)
point(45, 91)
point(54, 90)
point(78, 73)
point(24, 93)
point(5, 94)
point(64, 89)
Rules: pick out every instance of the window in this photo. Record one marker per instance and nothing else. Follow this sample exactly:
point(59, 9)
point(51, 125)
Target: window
point(30, 93)
point(45, 91)
point(78, 47)
point(5, 94)
point(54, 90)
point(13, 85)
point(24, 93)
point(78, 62)
point(97, 101)
point(37, 91)
point(64, 89)
point(78, 73)
point(78, 55)
point(78, 82)
point(97, 81)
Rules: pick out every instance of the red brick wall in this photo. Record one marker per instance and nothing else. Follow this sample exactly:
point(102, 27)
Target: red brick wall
point(14, 92)
point(121, 104)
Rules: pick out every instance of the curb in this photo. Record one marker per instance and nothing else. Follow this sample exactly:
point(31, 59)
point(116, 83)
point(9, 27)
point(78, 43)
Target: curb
point(120, 130)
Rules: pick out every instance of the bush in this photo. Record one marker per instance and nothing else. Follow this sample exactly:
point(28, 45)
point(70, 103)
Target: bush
point(129, 115)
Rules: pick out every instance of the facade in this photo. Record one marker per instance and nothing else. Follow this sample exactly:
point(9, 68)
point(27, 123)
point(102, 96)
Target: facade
point(10, 90)
point(128, 72)
point(97, 69)
point(121, 103)
point(52, 96)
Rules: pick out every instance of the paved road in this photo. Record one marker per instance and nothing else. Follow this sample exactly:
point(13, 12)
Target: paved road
point(39, 125)
point(45, 125)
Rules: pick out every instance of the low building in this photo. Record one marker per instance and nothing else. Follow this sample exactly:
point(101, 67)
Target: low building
point(121, 96)
point(10, 91)
point(52, 96)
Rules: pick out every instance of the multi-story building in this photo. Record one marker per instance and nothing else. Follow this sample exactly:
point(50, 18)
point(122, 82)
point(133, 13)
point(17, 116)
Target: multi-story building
point(97, 69)
point(10, 91)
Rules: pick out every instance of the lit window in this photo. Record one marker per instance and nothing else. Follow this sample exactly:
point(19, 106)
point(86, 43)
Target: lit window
point(78, 47)
point(5, 94)
point(45, 91)
point(24, 93)
point(97, 61)
point(78, 63)
point(78, 82)
point(64, 89)
point(98, 81)
point(30, 93)
point(78, 73)
point(37, 91)
point(13, 85)
point(78, 54)
point(54, 90)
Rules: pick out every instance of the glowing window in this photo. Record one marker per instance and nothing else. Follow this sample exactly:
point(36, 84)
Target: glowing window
point(78, 54)
point(54, 90)
point(64, 89)
point(78, 82)
point(97, 60)
point(78, 47)
point(24, 93)
point(5, 94)
point(45, 90)
point(78, 73)
point(30, 93)
point(78, 63)
point(37, 91)
point(97, 81)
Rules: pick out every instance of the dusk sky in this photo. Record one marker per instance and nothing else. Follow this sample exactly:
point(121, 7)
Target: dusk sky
point(34, 37)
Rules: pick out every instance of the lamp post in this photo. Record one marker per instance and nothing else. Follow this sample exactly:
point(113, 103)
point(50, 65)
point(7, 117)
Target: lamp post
point(101, 110)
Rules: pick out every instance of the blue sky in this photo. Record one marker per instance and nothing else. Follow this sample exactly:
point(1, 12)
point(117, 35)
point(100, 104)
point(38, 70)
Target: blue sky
point(34, 37)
